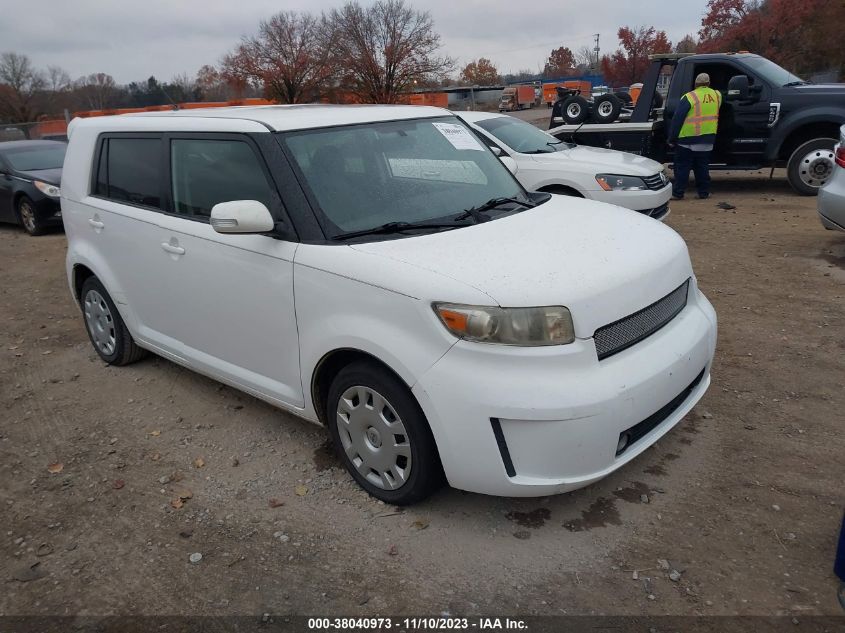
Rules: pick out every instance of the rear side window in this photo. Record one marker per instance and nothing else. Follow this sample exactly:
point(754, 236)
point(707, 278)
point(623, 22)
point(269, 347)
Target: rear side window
point(133, 171)
point(205, 172)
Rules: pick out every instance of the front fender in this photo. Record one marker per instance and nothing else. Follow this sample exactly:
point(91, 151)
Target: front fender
point(798, 119)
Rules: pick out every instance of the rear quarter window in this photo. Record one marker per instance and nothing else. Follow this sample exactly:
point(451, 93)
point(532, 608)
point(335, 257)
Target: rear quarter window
point(130, 171)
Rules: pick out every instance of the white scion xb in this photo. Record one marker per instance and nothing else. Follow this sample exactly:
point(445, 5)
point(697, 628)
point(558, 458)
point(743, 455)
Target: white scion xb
point(378, 270)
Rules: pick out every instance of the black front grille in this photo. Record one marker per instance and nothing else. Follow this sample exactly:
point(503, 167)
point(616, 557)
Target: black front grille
point(619, 335)
point(655, 182)
point(639, 431)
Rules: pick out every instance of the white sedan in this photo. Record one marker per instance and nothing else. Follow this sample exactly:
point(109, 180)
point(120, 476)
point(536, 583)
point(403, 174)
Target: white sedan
point(545, 163)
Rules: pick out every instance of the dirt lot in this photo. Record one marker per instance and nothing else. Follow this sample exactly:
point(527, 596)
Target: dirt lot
point(743, 499)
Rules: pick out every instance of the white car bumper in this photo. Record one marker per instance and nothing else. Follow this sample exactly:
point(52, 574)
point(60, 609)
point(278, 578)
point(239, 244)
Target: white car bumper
point(654, 203)
point(537, 421)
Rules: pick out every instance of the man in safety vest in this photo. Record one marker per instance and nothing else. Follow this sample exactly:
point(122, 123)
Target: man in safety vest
point(692, 134)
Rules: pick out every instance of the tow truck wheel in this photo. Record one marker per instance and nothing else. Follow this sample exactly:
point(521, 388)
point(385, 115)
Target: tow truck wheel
point(576, 109)
point(606, 109)
point(811, 165)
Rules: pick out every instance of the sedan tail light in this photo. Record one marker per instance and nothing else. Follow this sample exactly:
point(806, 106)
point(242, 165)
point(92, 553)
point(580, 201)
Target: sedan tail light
point(840, 155)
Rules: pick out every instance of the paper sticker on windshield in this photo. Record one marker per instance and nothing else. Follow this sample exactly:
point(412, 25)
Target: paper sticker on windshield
point(458, 136)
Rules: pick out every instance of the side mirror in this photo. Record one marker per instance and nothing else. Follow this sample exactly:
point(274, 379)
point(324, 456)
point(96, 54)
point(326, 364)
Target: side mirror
point(509, 162)
point(241, 216)
point(738, 88)
point(496, 150)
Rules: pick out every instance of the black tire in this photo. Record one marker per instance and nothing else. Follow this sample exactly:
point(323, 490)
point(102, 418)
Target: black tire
point(624, 97)
point(28, 217)
point(606, 109)
point(125, 350)
point(657, 100)
point(811, 165)
point(426, 472)
point(576, 109)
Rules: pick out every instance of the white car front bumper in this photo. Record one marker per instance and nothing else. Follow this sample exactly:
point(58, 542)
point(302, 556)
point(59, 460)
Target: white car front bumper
point(527, 422)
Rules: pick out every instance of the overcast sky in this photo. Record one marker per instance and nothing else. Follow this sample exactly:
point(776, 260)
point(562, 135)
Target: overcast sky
point(133, 39)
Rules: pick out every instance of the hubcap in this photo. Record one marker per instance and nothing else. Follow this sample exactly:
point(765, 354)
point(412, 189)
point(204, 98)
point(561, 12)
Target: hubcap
point(374, 437)
point(605, 108)
point(98, 319)
point(817, 167)
point(27, 216)
point(574, 110)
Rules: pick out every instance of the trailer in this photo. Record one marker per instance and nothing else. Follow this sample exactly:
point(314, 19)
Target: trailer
point(517, 98)
point(769, 117)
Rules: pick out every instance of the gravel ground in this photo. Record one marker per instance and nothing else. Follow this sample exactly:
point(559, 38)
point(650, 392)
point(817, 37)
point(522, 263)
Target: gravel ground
point(111, 478)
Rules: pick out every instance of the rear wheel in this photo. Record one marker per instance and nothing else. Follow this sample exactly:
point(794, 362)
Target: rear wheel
point(106, 329)
point(811, 165)
point(29, 217)
point(606, 109)
point(381, 435)
point(576, 109)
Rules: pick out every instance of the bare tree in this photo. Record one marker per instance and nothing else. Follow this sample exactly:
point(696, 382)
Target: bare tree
point(58, 79)
point(290, 56)
point(585, 59)
point(386, 47)
point(21, 84)
point(98, 90)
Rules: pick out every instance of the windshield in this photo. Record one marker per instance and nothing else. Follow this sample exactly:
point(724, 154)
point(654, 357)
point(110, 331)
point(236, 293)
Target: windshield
point(771, 72)
point(417, 170)
point(521, 136)
point(35, 158)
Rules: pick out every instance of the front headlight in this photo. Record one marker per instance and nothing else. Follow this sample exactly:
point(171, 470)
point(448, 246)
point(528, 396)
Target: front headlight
point(47, 189)
point(527, 327)
point(610, 182)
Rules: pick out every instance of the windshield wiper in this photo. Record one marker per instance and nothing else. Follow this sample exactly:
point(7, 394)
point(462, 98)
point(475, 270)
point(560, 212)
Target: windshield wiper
point(797, 83)
point(492, 203)
point(398, 227)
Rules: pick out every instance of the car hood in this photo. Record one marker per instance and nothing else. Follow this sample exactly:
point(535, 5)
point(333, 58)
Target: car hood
point(601, 261)
point(597, 161)
point(816, 90)
point(50, 176)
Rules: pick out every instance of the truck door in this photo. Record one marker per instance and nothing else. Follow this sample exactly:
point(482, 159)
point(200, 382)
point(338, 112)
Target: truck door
point(743, 125)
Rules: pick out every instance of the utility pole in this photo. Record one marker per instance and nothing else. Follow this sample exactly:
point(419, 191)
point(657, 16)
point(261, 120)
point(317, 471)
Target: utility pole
point(597, 51)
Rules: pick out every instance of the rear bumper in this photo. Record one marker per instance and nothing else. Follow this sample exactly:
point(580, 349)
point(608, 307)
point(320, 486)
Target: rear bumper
point(533, 422)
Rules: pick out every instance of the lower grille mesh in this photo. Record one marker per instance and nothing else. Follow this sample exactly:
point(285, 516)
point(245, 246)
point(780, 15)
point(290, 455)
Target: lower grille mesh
point(615, 337)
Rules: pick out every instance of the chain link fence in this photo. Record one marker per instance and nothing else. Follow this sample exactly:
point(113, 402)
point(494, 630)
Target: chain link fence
point(54, 130)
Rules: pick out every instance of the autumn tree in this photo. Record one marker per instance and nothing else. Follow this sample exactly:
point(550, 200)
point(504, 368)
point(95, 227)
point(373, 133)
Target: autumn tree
point(561, 62)
point(385, 47)
point(723, 16)
point(629, 63)
point(480, 72)
point(22, 84)
point(291, 57)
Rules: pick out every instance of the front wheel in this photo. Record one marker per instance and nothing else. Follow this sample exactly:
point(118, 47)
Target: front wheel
point(29, 217)
point(381, 435)
point(811, 165)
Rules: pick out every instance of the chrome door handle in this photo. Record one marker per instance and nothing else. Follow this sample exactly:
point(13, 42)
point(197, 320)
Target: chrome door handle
point(96, 223)
point(172, 248)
